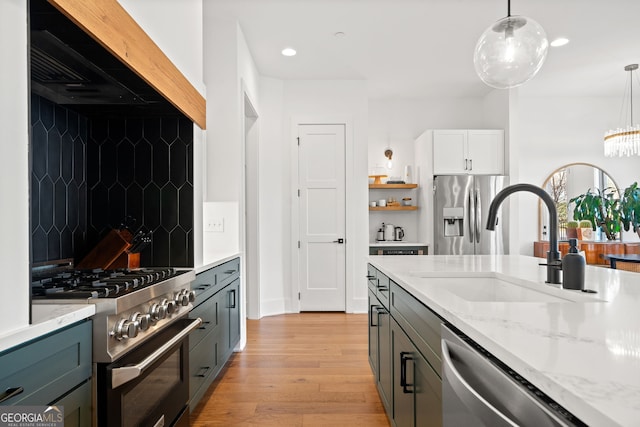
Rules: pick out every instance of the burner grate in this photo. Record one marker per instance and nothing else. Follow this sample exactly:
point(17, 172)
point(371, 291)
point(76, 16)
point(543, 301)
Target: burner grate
point(96, 283)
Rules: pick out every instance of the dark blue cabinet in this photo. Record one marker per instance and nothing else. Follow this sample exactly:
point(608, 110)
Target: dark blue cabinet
point(218, 305)
point(52, 370)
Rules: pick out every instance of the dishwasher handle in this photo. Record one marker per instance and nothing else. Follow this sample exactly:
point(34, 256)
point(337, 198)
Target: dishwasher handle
point(477, 404)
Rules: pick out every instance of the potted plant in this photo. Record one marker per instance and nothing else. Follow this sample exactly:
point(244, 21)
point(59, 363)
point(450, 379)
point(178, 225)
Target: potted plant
point(601, 208)
point(585, 229)
point(630, 208)
point(572, 230)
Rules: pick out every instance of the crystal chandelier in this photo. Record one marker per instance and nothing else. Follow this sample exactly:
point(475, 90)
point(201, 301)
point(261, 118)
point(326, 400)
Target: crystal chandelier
point(511, 51)
point(624, 141)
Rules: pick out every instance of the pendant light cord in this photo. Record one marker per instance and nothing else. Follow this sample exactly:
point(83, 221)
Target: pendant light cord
point(631, 94)
point(508, 8)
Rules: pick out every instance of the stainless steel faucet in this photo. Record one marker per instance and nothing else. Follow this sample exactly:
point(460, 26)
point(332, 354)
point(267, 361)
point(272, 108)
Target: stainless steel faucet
point(554, 263)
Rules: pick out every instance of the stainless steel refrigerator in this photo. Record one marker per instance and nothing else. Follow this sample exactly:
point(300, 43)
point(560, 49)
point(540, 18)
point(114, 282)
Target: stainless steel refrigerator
point(461, 205)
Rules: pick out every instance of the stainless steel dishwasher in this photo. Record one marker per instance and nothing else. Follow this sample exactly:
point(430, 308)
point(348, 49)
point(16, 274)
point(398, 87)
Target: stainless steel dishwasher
point(479, 390)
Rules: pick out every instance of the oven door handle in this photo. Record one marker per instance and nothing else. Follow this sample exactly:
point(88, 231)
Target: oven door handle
point(123, 375)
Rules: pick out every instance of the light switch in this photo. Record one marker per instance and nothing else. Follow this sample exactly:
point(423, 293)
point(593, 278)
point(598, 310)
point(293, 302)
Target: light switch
point(214, 225)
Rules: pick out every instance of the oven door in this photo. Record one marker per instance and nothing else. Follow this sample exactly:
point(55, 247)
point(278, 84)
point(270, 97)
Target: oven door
point(148, 386)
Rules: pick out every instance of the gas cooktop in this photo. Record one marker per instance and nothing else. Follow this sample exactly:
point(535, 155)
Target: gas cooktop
point(97, 283)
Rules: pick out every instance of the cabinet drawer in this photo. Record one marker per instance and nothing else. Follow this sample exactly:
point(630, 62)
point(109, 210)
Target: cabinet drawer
point(204, 285)
point(419, 323)
point(208, 312)
point(49, 367)
point(227, 272)
point(372, 278)
point(77, 406)
point(212, 280)
point(203, 361)
point(383, 289)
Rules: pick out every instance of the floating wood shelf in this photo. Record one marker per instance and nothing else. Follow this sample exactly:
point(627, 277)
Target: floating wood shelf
point(391, 186)
point(394, 208)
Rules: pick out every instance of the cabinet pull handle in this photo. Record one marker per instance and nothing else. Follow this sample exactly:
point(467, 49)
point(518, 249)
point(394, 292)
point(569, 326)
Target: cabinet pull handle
point(204, 325)
point(370, 277)
point(10, 392)
point(383, 289)
point(233, 304)
point(373, 308)
point(203, 286)
point(404, 357)
point(203, 372)
point(465, 164)
point(229, 271)
point(470, 164)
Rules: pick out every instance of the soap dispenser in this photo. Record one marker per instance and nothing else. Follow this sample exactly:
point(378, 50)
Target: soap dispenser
point(573, 265)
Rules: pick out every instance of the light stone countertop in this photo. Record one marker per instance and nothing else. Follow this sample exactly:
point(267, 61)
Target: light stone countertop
point(585, 355)
point(215, 260)
point(46, 318)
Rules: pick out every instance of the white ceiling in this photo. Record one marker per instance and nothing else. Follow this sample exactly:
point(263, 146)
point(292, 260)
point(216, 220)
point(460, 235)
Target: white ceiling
point(423, 48)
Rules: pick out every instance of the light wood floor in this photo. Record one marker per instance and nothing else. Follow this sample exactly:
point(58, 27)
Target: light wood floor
point(308, 369)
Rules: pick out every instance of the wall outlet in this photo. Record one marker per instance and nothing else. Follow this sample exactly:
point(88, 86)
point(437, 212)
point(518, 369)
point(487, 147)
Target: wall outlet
point(214, 225)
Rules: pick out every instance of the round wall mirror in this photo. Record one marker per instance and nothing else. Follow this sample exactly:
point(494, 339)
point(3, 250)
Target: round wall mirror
point(566, 183)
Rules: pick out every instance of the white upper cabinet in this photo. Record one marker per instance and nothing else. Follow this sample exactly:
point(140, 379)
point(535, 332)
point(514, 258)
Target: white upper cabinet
point(462, 151)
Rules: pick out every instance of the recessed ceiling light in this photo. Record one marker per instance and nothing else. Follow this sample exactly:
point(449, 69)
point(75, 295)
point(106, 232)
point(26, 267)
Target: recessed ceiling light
point(560, 41)
point(339, 34)
point(287, 51)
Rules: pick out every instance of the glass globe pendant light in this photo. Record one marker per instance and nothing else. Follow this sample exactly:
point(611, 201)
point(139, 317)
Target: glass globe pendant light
point(511, 51)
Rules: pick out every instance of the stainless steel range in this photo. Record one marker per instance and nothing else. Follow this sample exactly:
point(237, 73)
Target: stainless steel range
point(140, 337)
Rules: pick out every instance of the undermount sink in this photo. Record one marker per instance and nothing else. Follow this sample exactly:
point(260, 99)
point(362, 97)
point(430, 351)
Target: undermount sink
point(490, 287)
point(496, 290)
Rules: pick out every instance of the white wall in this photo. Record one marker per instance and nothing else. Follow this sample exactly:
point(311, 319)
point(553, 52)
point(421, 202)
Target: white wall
point(406, 125)
point(229, 74)
point(318, 102)
point(228, 67)
point(14, 166)
point(274, 199)
point(558, 131)
point(176, 27)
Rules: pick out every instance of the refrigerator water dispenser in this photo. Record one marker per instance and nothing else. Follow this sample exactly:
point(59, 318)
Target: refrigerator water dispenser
point(453, 222)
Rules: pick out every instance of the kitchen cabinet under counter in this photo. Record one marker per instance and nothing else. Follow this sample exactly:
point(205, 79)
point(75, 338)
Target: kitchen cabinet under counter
point(217, 289)
point(573, 347)
point(51, 370)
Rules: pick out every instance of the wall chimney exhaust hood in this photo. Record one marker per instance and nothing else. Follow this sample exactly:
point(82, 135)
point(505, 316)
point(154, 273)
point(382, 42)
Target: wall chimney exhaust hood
point(77, 59)
point(63, 76)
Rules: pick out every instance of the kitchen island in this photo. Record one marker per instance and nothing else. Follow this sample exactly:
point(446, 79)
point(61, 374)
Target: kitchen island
point(582, 350)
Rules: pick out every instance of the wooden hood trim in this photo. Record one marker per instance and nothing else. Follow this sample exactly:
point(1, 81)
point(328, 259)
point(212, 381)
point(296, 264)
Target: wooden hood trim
point(111, 26)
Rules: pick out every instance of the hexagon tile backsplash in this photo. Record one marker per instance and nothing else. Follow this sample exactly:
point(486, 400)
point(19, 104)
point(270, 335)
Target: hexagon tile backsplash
point(90, 173)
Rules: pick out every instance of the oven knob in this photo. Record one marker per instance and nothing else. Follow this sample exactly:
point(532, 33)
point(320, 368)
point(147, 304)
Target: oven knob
point(142, 319)
point(178, 297)
point(157, 312)
point(162, 311)
point(191, 295)
point(167, 307)
point(171, 306)
point(182, 298)
point(126, 329)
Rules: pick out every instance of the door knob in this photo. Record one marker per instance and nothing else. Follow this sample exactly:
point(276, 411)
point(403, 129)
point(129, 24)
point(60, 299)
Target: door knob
point(340, 241)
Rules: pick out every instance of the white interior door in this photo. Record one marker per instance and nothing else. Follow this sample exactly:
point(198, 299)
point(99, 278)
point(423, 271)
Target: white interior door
point(321, 179)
